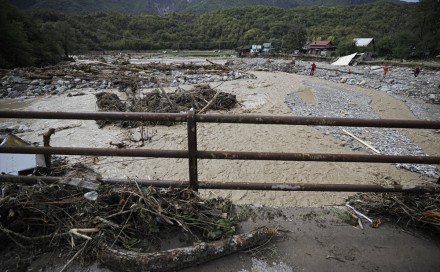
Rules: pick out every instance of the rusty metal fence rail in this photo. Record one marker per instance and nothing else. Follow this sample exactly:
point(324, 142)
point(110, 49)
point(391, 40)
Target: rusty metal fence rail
point(193, 154)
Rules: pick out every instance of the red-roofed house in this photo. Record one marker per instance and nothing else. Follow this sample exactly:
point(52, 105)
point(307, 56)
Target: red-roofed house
point(324, 48)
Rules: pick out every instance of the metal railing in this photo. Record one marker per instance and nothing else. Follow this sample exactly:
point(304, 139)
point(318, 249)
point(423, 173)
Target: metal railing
point(193, 154)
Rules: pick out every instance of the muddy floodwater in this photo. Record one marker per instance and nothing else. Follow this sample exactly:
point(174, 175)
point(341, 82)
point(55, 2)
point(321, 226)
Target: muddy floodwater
point(14, 104)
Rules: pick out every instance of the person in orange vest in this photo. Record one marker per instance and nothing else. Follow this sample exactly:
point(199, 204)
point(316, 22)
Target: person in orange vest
point(385, 70)
point(312, 69)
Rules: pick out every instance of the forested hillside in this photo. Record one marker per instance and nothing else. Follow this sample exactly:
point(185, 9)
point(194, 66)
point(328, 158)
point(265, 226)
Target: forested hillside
point(203, 6)
point(45, 36)
point(84, 7)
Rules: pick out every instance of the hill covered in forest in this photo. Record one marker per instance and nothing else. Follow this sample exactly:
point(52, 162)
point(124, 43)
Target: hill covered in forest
point(40, 37)
point(169, 6)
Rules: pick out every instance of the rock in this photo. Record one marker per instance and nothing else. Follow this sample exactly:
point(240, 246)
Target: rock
point(385, 88)
point(351, 81)
point(19, 80)
point(60, 90)
point(77, 80)
point(13, 94)
point(35, 82)
point(75, 94)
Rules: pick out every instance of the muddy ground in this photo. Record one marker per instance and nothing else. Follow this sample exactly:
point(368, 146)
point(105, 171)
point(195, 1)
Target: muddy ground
point(312, 239)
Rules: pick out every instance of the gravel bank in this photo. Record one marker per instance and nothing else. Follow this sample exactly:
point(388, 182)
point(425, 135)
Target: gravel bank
point(349, 103)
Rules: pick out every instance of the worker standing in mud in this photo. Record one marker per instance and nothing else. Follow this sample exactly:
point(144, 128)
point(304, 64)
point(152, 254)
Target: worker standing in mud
point(312, 69)
point(417, 71)
point(386, 69)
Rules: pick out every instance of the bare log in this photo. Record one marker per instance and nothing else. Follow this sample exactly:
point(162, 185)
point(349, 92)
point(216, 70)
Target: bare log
point(362, 142)
point(179, 258)
point(210, 102)
point(217, 66)
point(165, 94)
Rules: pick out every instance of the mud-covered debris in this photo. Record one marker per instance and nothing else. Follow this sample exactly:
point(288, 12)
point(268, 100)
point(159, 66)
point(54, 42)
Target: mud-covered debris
point(109, 102)
point(406, 209)
point(127, 217)
point(155, 101)
point(196, 98)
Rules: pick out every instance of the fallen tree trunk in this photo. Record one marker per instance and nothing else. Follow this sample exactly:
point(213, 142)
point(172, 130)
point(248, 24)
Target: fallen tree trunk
point(179, 258)
point(210, 102)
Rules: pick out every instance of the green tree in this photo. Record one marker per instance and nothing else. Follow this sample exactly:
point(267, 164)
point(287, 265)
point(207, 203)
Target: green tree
point(296, 36)
point(385, 46)
point(346, 47)
point(65, 36)
point(428, 26)
point(15, 49)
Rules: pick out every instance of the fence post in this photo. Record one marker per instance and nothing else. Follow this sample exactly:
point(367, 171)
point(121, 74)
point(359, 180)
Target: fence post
point(192, 150)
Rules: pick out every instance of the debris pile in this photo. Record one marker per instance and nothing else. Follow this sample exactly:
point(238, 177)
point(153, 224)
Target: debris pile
point(406, 209)
point(268, 65)
point(125, 227)
point(181, 100)
point(126, 217)
point(110, 102)
point(200, 98)
point(100, 75)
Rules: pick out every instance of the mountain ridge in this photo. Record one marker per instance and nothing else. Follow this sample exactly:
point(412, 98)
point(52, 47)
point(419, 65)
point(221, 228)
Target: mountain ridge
point(84, 7)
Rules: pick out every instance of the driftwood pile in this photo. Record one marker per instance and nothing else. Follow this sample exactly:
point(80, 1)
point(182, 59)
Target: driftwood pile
point(119, 213)
point(200, 98)
point(110, 102)
point(116, 220)
point(405, 209)
point(197, 98)
point(122, 72)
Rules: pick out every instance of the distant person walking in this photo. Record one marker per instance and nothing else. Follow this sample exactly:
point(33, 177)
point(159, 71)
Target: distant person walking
point(417, 71)
point(312, 69)
point(386, 69)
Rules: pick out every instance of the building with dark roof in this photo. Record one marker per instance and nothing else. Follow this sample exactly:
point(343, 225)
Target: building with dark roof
point(325, 48)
